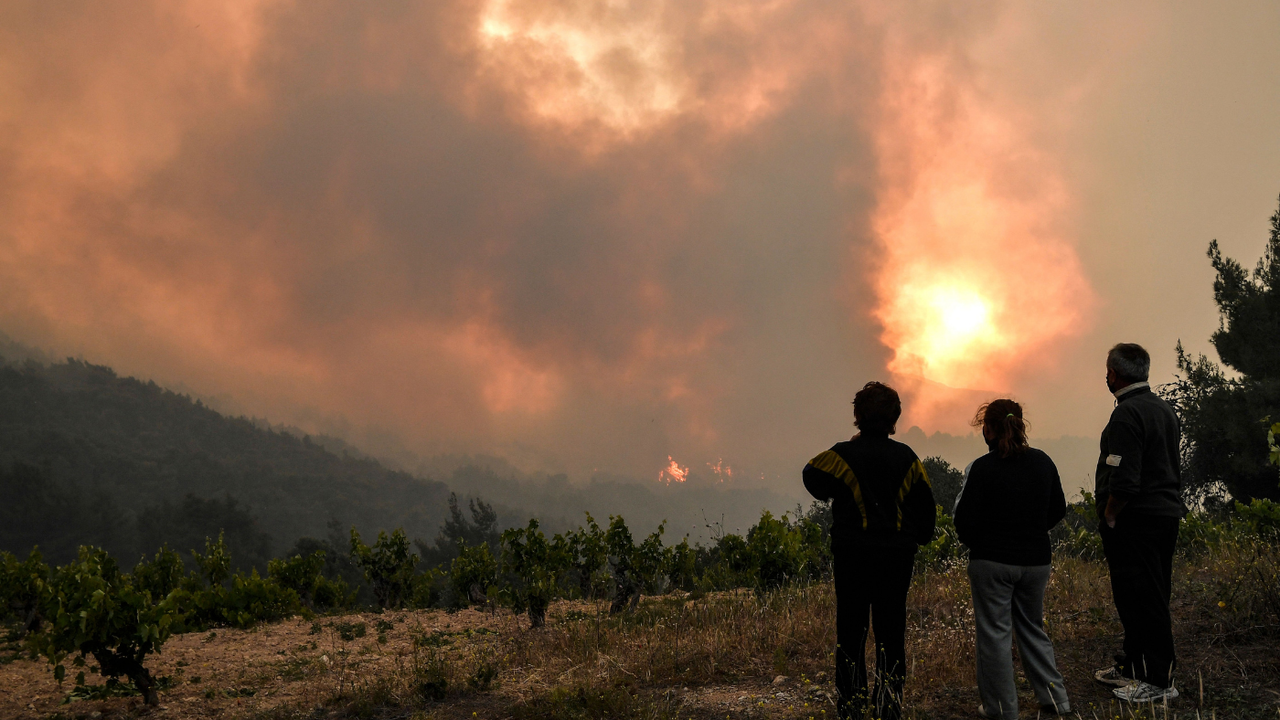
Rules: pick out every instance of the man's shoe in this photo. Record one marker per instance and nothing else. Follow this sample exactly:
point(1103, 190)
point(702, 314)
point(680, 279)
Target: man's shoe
point(1145, 692)
point(1055, 710)
point(1112, 676)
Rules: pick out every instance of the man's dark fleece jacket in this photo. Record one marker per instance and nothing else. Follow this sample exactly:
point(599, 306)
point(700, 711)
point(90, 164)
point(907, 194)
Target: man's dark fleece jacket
point(1007, 507)
point(1139, 459)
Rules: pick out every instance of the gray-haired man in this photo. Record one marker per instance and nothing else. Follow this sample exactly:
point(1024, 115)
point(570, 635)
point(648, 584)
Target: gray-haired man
point(1139, 494)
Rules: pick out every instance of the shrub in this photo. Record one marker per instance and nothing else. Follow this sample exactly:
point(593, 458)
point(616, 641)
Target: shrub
point(95, 610)
point(536, 566)
point(682, 566)
point(621, 556)
point(388, 566)
point(728, 564)
point(160, 576)
point(650, 561)
point(587, 554)
point(1262, 517)
point(21, 585)
point(472, 574)
point(1077, 534)
point(215, 563)
point(778, 551)
point(945, 547)
point(304, 575)
point(252, 599)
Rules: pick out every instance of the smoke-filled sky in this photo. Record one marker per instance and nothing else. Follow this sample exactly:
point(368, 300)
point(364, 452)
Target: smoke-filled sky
point(596, 235)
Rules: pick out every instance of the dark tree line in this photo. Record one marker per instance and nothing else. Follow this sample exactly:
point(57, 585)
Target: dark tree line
point(1225, 415)
point(39, 511)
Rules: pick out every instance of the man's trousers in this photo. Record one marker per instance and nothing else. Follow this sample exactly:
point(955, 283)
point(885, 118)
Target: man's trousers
point(871, 581)
point(1139, 552)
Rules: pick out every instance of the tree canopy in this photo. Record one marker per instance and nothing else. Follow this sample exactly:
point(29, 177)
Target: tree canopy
point(1225, 414)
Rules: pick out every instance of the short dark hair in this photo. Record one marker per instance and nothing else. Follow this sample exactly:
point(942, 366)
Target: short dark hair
point(1002, 420)
point(876, 409)
point(1130, 361)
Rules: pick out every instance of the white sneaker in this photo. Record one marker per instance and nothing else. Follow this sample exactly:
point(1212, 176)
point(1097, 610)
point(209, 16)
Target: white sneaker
point(1145, 692)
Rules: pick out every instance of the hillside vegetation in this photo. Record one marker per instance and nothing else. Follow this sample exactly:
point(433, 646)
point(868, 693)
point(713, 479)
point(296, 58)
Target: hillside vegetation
point(597, 624)
point(87, 457)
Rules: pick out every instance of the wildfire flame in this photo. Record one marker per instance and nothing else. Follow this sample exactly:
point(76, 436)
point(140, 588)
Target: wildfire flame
point(673, 472)
point(722, 471)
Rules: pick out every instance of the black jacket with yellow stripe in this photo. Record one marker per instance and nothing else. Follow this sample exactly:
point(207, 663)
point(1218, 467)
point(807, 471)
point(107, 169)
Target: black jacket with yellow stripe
point(879, 491)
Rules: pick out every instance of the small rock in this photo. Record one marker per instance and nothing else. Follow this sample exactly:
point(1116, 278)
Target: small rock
point(95, 715)
point(780, 679)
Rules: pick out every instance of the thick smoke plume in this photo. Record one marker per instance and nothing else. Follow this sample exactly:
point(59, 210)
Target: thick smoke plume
point(591, 236)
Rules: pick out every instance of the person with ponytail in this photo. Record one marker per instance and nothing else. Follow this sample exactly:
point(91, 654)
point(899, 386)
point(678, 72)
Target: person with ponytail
point(1011, 498)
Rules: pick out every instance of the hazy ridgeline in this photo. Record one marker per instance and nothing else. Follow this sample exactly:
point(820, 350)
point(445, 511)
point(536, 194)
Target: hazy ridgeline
point(88, 457)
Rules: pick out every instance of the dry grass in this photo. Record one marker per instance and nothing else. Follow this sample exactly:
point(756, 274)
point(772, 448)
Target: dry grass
point(713, 656)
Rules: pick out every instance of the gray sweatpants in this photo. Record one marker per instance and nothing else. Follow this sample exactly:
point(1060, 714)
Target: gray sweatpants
point(1009, 599)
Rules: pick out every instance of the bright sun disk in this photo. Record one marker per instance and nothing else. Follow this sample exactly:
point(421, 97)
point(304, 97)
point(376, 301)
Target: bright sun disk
point(961, 315)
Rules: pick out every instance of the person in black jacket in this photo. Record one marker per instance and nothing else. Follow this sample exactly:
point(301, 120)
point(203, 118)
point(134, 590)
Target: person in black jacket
point(882, 508)
point(1011, 499)
point(1138, 488)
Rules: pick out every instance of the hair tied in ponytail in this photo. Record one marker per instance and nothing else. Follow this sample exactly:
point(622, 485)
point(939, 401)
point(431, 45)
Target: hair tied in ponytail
point(1006, 438)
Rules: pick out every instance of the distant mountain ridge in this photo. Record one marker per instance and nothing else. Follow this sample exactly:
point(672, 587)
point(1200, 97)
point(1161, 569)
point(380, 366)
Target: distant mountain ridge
point(123, 446)
point(89, 457)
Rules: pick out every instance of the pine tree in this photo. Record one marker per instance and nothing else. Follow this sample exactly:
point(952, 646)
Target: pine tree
point(1226, 416)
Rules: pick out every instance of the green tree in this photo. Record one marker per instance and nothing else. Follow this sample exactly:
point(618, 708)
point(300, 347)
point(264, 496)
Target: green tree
point(945, 480)
point(1224, 415)
point(458, 532)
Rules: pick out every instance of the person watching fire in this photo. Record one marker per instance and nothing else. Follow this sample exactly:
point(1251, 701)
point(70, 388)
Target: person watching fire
point(882, 509)
point(1011, 498)
point(1138, 489)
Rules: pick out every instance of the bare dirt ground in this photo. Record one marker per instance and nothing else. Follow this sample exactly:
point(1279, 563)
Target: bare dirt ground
point(371, 665)
point(298, 667)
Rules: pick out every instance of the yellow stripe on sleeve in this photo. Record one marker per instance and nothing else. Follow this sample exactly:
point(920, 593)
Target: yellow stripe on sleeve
point(915, 474)
point(832, 464)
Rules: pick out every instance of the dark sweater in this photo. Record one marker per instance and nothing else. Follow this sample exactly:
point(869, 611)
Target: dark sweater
point(879, 491)
point(1007, 507)
point(1139, 457)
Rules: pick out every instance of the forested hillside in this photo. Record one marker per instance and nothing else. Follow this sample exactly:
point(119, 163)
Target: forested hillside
point(90, 457)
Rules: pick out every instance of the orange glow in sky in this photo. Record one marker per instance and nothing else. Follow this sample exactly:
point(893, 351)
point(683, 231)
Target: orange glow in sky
point(580, 233)
point(609, 65)
point(977, 279)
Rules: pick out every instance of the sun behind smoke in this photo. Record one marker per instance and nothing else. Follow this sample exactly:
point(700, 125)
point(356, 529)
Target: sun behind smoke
point(942, 327)
point(976, 279)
